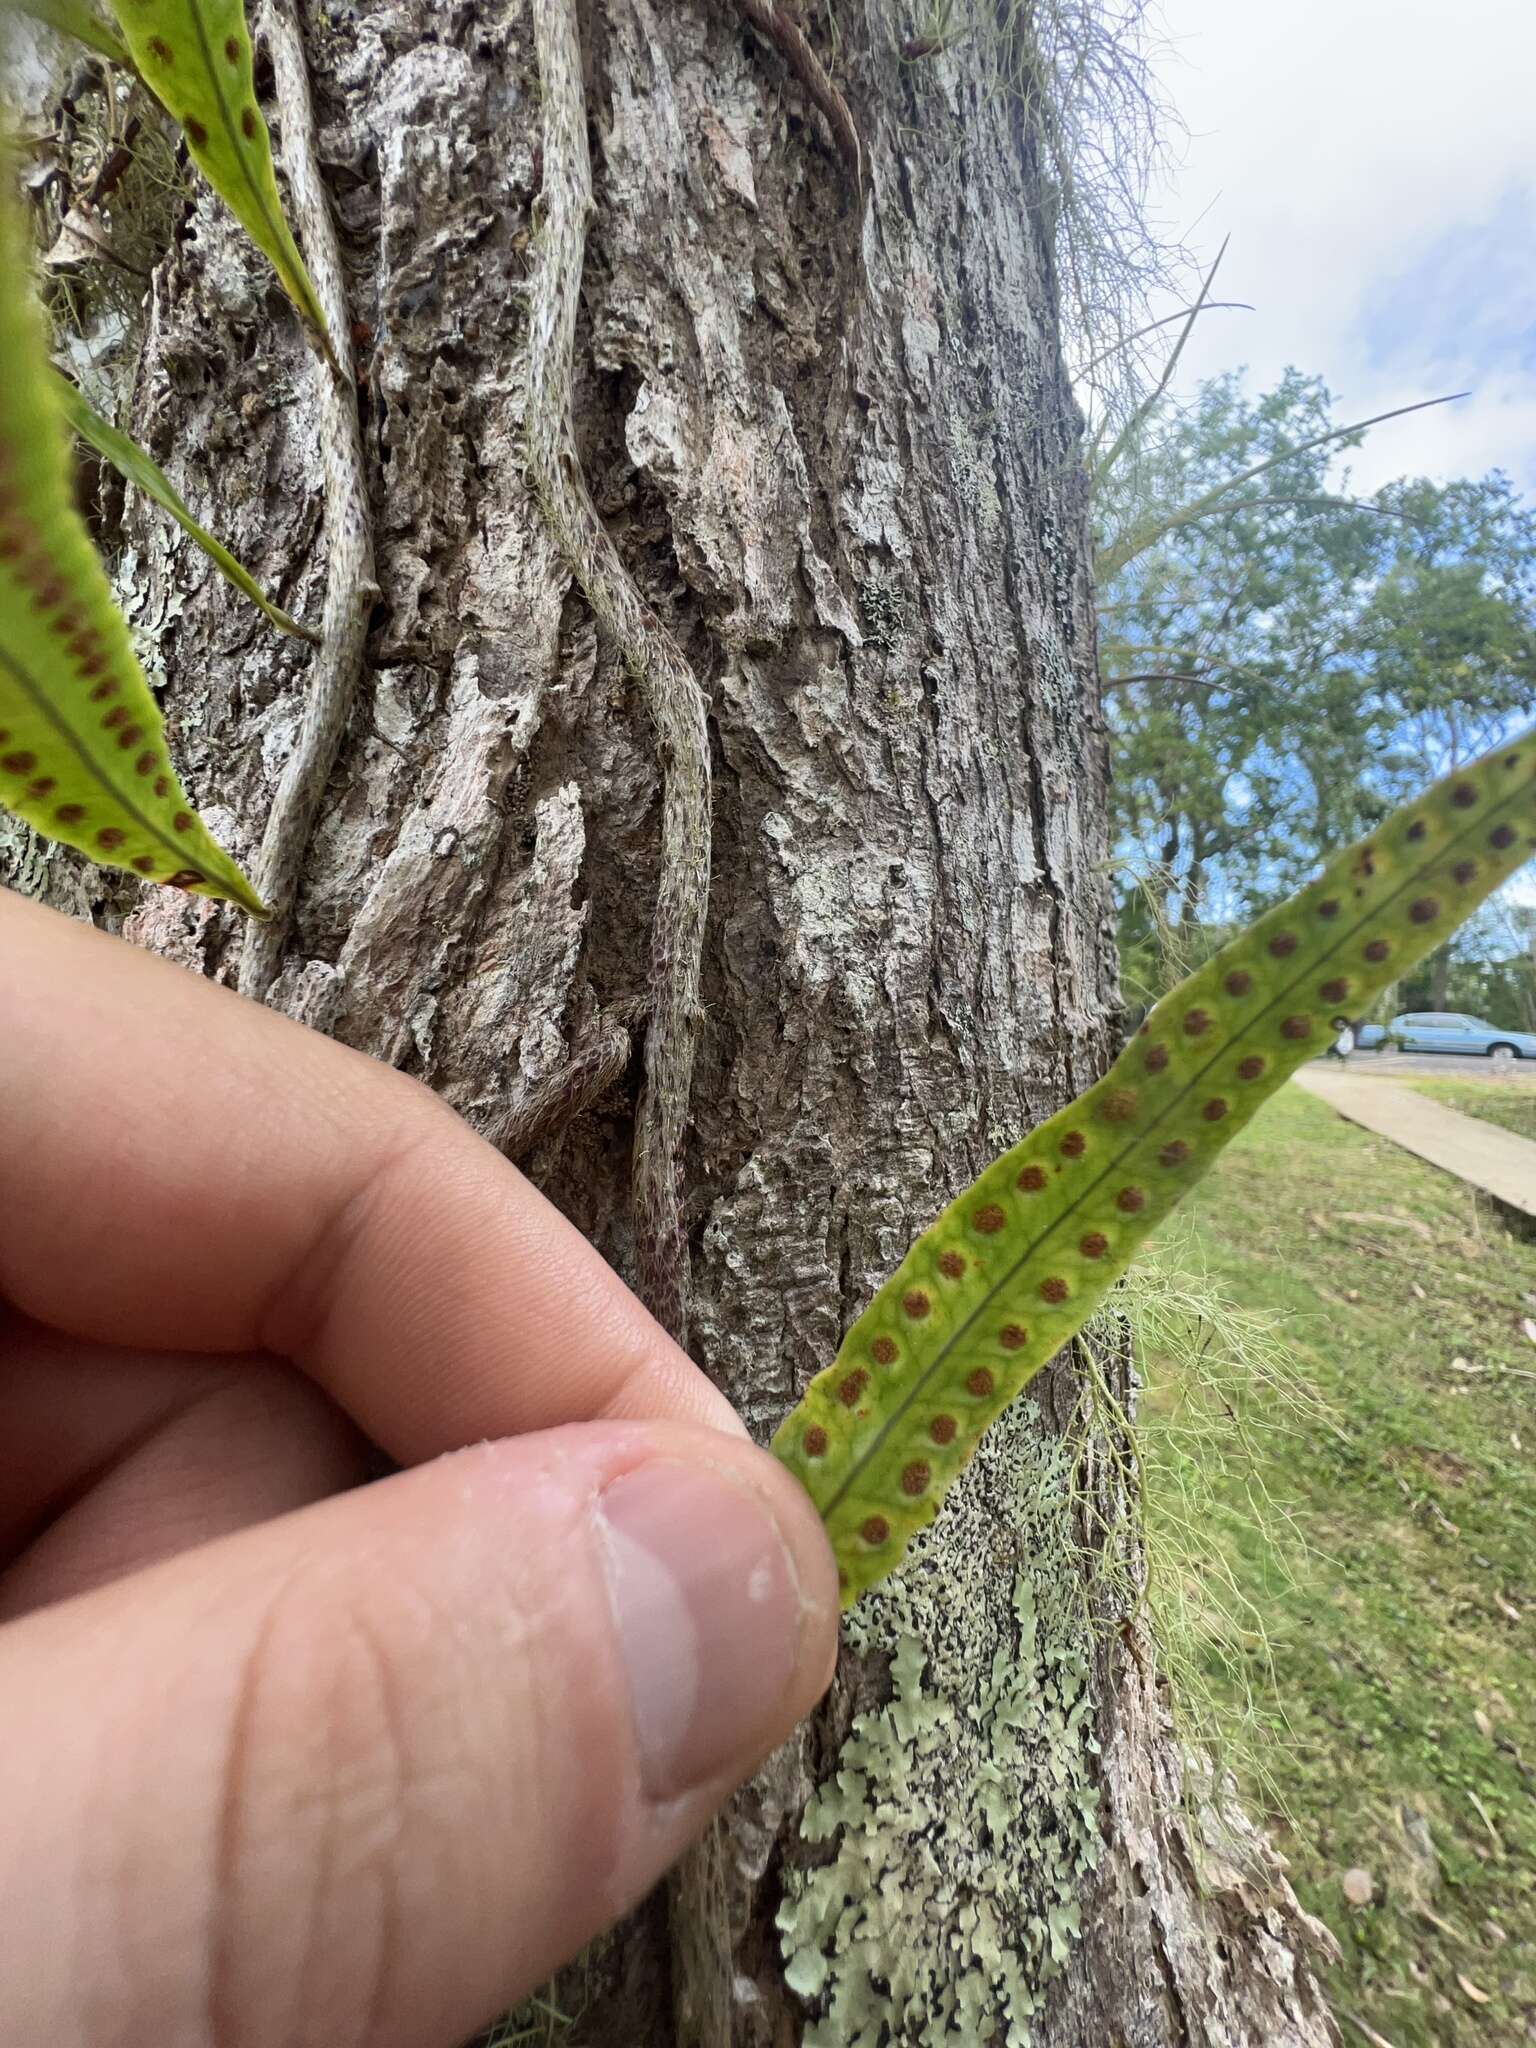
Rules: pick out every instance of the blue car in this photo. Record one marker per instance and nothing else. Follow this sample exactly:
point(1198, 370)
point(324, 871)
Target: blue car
point(1449, 1031)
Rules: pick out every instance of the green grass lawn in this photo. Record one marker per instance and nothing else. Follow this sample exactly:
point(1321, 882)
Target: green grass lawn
point(1393, 1712)
point(1512, 1105)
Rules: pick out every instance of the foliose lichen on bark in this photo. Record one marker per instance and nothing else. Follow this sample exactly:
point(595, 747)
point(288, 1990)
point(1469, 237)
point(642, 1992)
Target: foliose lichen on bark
point(963, 1812)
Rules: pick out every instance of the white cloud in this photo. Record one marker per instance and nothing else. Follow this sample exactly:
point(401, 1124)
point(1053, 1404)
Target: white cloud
point(1376, 166)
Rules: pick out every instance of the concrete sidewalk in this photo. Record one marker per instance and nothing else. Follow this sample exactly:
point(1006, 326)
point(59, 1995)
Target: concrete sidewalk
point(1497, 1161)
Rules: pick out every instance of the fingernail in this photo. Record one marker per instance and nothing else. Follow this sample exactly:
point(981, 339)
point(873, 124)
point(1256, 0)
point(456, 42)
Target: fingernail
point(707, 1606)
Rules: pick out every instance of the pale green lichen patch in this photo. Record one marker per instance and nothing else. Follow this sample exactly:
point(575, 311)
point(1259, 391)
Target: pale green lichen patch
point(962, 1814)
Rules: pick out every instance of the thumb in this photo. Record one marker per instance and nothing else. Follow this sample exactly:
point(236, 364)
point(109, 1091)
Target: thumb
point(367, 1773)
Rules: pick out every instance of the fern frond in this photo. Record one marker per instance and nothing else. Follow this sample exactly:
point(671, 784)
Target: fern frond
point(1009, 1273)
point(131, 462)
point(82, 742)
point(75, 18)
point(195, 56)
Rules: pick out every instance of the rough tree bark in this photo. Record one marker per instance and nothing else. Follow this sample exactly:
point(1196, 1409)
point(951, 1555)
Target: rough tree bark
point(820, 409)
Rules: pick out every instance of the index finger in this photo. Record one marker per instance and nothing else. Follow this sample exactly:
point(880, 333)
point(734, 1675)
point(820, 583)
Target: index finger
point(183, 1169)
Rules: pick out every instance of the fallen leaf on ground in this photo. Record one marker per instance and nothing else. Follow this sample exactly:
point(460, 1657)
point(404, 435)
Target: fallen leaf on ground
point(1376, 2040)
point(1392, 1222)
point(1358, 1887)
point(1477, 1997)
point(1483, 1816)
point(1484, 1725)
point(1421, 1874)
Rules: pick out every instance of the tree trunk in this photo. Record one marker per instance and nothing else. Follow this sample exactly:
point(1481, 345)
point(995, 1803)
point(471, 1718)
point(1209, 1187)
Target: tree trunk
point(1439, 977)
point(820, 407)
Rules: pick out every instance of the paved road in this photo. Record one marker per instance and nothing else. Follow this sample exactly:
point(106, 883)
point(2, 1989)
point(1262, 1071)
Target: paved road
point(1449, 1066)
point(1499, 1162)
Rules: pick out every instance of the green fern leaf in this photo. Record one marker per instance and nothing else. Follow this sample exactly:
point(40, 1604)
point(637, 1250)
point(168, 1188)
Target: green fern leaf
point(78, 19)
point(82, 743)
point(1010, 1272)
point(130, 461)
point(195, 56)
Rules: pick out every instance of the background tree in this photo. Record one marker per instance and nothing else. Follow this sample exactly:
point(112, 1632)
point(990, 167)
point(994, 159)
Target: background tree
point(813, 465)
point(1283, 669)
point(1488, 970)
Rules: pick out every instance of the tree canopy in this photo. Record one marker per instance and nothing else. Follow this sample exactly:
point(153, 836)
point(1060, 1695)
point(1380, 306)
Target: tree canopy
point(1283, 667)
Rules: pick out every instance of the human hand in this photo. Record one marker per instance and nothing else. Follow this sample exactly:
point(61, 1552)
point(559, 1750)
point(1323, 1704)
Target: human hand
point(286, 1757)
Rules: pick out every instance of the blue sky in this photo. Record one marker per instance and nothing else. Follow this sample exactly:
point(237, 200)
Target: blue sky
point(1375, 164)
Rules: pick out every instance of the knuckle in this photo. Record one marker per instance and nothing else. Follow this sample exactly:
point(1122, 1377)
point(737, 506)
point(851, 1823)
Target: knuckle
point(295, 1317)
